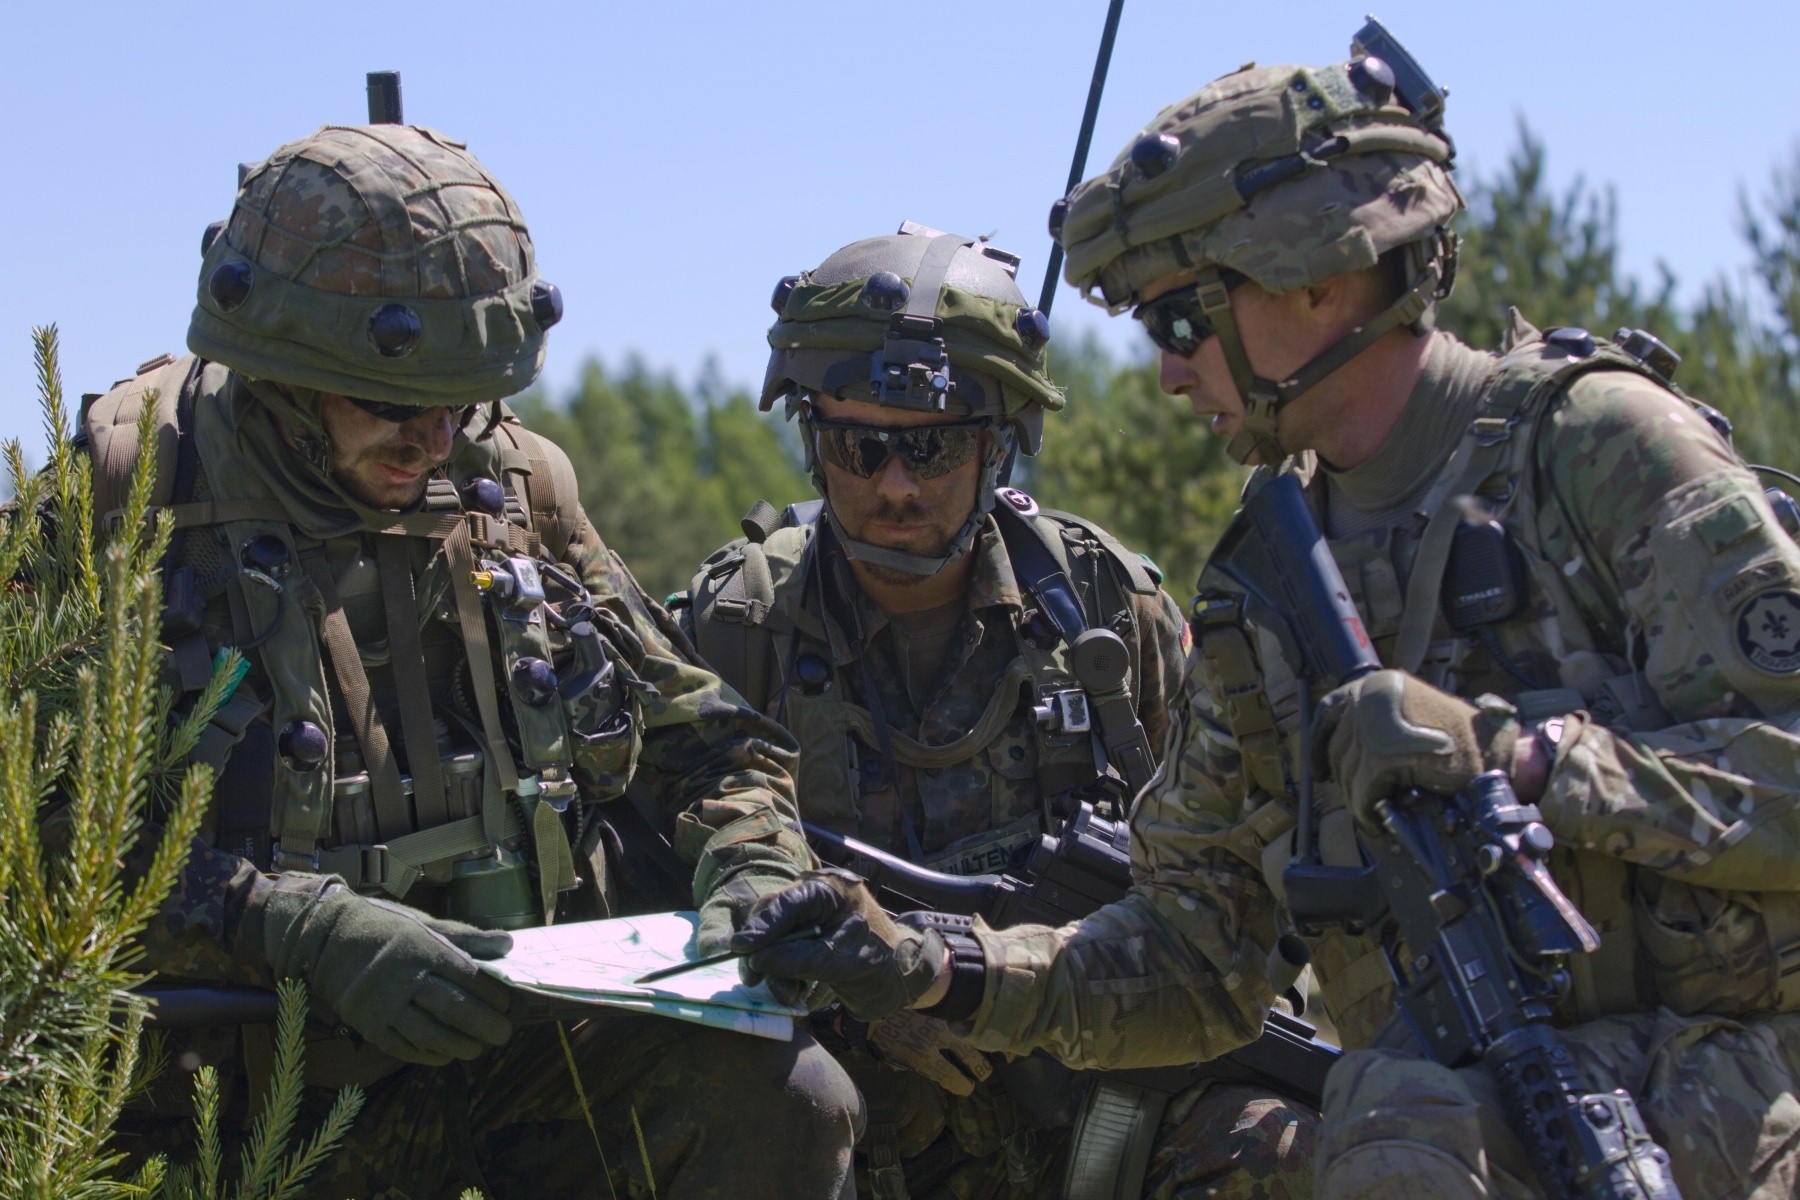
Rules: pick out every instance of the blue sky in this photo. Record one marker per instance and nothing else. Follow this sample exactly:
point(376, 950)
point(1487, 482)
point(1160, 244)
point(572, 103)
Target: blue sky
point(674, 160)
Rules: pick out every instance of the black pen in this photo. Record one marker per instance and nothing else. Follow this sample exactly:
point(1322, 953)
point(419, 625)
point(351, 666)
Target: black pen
point(709, 960)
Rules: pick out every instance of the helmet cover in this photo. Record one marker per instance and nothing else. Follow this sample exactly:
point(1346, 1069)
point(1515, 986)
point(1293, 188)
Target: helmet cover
point(375, 261)
point(1288, 175)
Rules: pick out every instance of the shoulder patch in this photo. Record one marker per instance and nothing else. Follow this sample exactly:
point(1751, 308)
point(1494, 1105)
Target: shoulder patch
point(1768, 632)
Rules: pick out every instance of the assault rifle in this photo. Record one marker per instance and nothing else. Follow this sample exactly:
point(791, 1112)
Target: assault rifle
point(1461, 879)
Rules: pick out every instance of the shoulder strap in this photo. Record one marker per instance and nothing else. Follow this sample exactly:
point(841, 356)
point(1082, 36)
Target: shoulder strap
point(1532, 374)
point(1140, 577)
point(552, 493)
point(731, 599)
point(110, 424)
point(1039, 565)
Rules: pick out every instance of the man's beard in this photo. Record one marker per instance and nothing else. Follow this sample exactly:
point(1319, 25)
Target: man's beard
point(404, 458)
point(939, 548)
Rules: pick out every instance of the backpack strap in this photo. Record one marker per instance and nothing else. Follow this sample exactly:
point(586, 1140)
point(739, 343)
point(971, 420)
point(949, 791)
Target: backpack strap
point(1533, 373)
point(552, 493)
point(1034, 545)
point(733, 596)
point(110, 427)
point(1142, 576)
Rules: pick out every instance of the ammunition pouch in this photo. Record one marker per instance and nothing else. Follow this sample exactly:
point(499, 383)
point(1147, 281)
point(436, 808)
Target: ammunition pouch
point(1732, 954)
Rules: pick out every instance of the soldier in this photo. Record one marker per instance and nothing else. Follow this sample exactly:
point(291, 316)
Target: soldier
point(1283, 235)
point(451, 684)
point(894, 626)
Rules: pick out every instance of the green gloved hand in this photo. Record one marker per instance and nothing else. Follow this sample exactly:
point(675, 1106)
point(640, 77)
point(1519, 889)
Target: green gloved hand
point(875, 965)
point(927, 1046)
point(405, 981)
point(1389, 731)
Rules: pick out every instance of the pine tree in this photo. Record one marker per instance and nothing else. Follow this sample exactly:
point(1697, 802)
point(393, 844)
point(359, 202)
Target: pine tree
point(91, 755)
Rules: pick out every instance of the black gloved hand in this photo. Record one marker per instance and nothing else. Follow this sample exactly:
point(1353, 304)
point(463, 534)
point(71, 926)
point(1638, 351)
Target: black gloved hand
point(875, 965)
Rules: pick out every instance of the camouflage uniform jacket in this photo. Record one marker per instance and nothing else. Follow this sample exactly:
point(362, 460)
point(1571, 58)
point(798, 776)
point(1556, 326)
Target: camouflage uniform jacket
point(1662, 616)
point(714, 778)
point(977, 773)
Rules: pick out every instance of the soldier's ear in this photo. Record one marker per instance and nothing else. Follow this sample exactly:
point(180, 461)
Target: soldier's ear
point(1342, 299)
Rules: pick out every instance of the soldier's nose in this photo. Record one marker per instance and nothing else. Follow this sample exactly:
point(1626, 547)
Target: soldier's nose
point(1174, 374)
point(896, 479)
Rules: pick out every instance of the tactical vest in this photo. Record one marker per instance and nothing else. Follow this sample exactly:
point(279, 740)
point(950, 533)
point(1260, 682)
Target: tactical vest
point(1567, 649)
point(758, 616)
point(491, 775)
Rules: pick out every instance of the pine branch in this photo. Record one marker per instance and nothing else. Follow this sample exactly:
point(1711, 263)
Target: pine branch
point(281, 1108)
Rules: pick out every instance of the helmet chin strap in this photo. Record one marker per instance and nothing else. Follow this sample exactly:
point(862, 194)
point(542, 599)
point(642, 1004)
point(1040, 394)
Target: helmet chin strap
point(1263, 399)
point(919, 564)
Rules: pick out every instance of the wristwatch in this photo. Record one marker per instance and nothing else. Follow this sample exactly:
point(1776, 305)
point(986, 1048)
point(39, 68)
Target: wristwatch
point(968, 965)
point(968, 979)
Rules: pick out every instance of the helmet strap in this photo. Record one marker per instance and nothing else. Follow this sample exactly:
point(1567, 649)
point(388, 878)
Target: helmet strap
point(1263, 399)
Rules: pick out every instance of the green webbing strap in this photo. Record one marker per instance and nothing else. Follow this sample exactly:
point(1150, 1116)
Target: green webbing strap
point(933, 269)
point(438, 527)
point(762, 520)
point(1482, 451)
point(725, 628)
point(406, 658)
point(473, 621)
point(396, 865)
point(392, 818)
point(1001, 707)
point(219, 512)
point(226, 729)
point(556, 863)
point(1138, 577)
point(759, 584)
point(1465, 469)
point(1404, 311)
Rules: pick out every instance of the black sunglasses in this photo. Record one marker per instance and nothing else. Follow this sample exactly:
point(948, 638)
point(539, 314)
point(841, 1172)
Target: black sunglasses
point(1175, 320)
point(383, 410)
point(927, 450)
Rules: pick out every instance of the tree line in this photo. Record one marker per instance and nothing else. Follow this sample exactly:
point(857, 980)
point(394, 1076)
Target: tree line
point(667, 471)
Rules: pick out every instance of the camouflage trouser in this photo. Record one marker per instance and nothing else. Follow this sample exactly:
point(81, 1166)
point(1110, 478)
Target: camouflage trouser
point(1216, 1142)
point(1719, 1095)
point(718, 1114)
point(1233, 1142)
point(948, 1147)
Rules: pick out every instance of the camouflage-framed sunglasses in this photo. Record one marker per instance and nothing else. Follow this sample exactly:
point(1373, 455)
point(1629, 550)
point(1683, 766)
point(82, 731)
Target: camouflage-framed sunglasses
point(927, 450)
point(1176, 321)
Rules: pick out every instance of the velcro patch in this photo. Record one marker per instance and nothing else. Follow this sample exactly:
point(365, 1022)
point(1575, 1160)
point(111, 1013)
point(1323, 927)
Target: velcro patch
point(1729, 523)
point(1768, 632)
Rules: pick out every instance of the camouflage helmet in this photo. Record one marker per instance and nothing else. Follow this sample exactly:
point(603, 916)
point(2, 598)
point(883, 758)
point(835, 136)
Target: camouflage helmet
point(375, 261)
point(919, 320)
point(1287, 175)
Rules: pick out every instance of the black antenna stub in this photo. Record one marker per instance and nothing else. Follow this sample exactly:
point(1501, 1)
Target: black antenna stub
point(384, 98)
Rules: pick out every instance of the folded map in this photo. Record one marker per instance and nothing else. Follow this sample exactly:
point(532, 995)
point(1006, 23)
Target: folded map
point(598, 962)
